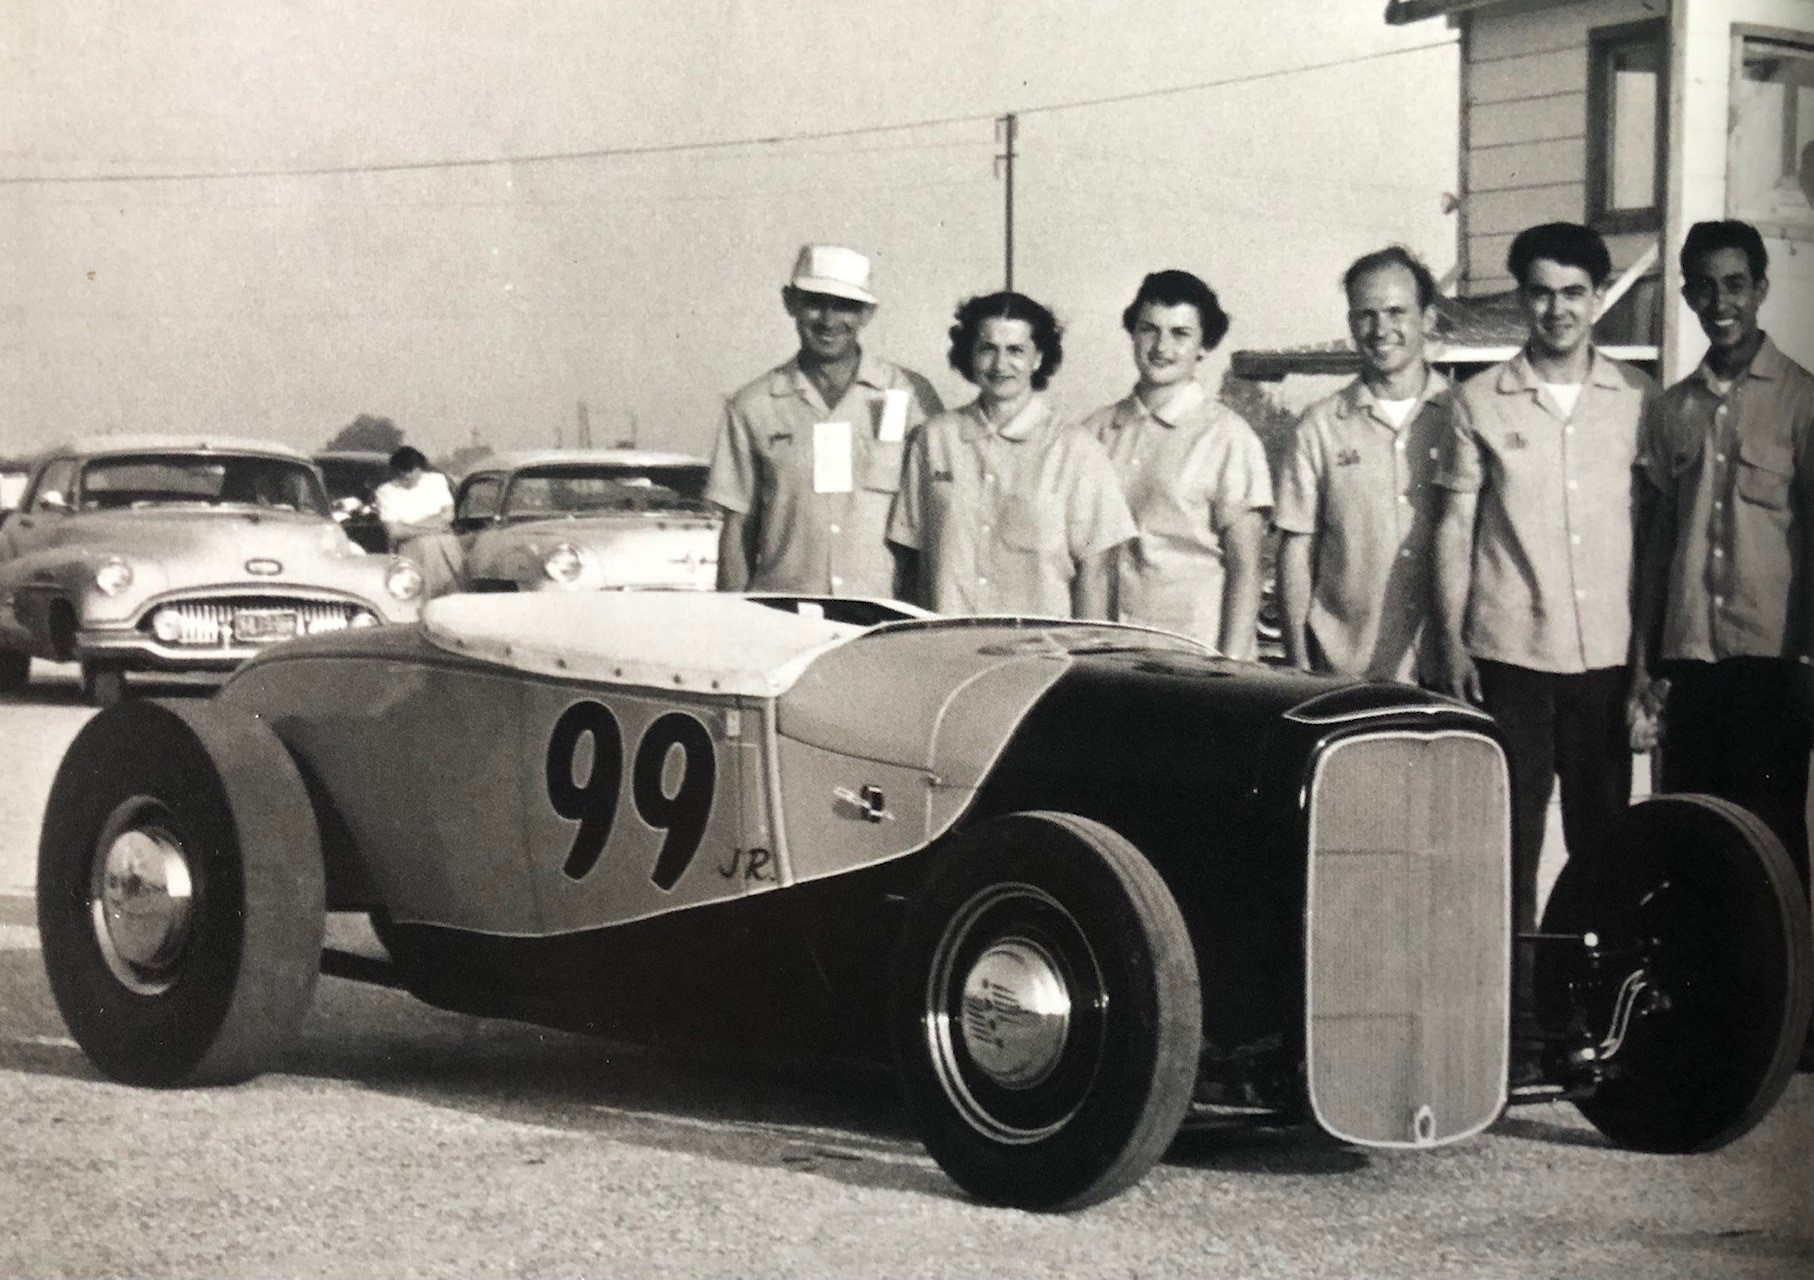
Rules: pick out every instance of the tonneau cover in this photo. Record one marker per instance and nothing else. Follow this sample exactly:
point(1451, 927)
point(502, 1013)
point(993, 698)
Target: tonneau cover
point(698, 641)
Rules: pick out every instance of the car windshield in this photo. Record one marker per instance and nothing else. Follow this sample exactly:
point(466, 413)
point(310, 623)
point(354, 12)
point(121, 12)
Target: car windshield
point(584, 490)
point(187, 479)
point(353, 478)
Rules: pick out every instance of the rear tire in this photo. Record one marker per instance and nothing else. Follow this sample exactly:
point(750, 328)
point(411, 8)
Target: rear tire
point(1703, 890)
point(1044, 1012)
point(180, 893)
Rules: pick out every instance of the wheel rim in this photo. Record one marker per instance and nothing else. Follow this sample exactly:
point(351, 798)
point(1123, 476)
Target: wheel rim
point(141, 897)
point(1015, 1006)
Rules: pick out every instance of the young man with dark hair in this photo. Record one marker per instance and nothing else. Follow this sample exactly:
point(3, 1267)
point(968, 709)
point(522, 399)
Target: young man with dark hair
point(809, 457)
point(1355, 499)
point(1723, 597)
point(1194, 474)
point(1534, 550)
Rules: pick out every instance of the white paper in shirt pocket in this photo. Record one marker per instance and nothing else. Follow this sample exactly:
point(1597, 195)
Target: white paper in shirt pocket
point(831, 457)
point(892, 429)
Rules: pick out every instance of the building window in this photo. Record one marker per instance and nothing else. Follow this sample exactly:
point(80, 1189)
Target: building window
point(1770, 177)
point(1627, 101)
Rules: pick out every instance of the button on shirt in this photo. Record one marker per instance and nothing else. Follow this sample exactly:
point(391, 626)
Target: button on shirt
point(1001, 515)
point(1188, 471)
point(763, 467)
point(1736, 464)
point(1360, 486)
point(1552, 561)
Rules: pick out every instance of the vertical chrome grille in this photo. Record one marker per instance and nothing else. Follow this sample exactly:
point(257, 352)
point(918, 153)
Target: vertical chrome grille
point(208, 624)
point(1408, 937)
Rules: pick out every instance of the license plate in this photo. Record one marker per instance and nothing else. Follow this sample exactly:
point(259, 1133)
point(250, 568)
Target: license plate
point(257, 628)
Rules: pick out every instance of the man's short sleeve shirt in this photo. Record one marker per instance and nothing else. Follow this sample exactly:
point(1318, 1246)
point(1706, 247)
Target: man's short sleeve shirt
point(1001, 515)
point(1188, 471)
point(1361, 487)
point(1552, 557)
point(1736, 466)
point(763, 466)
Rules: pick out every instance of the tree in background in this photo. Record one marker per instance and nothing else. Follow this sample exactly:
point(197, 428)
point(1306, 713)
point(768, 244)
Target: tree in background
point(380, 435)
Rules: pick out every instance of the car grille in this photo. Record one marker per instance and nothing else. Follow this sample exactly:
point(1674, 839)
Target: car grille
point(249, 621)
point(1408, 937)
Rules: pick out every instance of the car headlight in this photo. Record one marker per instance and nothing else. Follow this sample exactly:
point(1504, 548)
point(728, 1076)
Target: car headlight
point(113, 577)
point(167, 625)
point(403, 581)
point(564, 564)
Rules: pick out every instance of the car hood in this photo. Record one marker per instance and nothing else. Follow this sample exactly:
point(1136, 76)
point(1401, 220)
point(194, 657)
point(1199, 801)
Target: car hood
point(221, 536)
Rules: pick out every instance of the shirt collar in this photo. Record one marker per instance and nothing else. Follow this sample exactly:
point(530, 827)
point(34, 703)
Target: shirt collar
point(978, 427)
point(1518, 375)
point(1766, 366)
point(791, 380)
point(1358, 398)
point(1184, 402)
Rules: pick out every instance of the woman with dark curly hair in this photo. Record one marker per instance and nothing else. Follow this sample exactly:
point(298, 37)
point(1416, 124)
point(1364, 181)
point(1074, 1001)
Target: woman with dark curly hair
point(1004, 507)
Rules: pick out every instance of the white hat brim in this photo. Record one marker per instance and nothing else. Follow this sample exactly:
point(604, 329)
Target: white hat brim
point(836, 288)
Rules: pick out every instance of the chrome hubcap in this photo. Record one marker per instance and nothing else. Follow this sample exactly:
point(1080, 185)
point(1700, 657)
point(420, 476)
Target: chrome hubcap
point(141, 899)
point(1017, 1013)
point(1004, 1013)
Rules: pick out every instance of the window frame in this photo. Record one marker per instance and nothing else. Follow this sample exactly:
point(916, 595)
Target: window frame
point(1602, 43)
point(1769, 228)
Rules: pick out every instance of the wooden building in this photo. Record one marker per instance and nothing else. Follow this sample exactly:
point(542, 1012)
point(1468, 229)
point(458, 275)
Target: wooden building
point(1640, 118)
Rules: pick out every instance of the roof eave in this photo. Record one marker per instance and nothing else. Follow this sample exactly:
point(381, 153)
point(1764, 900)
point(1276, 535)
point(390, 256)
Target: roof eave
point(1401, 13)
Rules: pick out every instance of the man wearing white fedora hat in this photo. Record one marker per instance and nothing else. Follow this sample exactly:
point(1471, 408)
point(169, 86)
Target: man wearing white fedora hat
point(809, 457)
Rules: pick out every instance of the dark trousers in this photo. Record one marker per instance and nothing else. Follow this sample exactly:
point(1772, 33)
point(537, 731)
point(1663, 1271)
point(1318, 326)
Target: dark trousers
point(1569, 727)
point(1741, 729)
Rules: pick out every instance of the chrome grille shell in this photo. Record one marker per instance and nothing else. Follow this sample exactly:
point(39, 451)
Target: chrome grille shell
point(1407, 932)
point(207, 624)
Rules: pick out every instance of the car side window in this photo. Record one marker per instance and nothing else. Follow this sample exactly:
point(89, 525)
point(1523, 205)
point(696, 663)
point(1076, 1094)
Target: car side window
point(54, 484)
point(479, 499)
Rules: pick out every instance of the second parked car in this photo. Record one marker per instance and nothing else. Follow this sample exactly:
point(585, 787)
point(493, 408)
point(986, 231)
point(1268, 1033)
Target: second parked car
point(587, 520)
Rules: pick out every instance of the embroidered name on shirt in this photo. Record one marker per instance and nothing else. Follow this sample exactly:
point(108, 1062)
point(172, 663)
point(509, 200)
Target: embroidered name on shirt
point(1348, 458)
point(782, 437)
point(1516, 440)
point(945, 476)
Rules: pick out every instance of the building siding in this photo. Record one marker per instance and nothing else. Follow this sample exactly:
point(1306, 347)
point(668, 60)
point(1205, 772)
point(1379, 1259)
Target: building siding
point(1525, 151)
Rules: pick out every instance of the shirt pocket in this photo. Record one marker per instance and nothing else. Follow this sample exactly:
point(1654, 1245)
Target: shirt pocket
point(1766, 470)
point(880, 471)
point(1025, 525)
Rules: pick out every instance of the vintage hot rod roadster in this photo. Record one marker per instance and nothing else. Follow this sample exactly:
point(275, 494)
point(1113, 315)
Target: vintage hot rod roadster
point(1078, 881)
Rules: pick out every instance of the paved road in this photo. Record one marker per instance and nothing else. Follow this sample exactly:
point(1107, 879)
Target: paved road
point(405, 1141)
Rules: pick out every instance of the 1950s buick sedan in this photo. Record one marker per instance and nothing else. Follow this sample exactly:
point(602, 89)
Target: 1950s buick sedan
point(136, 553)
point(1076, 881)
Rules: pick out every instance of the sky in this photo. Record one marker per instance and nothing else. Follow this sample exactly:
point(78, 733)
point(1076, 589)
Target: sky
point(472, 263)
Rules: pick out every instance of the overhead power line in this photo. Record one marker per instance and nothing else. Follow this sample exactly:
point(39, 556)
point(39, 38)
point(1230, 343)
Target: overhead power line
point(677, 148)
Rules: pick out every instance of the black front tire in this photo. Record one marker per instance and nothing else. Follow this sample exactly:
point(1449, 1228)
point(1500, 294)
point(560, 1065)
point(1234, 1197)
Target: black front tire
point(15, 670)
point(181, 898)
point(1044, 1012)
point(1703, 892)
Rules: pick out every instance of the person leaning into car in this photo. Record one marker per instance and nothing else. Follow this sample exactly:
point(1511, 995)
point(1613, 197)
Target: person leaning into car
point(1355, 500)
point(1724, 606)
point(1004, 506)
point(1194, 475)
point(416, 506)
point(1534, 552)
point(809, 456)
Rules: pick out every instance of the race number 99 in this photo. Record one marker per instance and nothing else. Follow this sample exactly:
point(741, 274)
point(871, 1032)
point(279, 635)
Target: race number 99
point(681, 817)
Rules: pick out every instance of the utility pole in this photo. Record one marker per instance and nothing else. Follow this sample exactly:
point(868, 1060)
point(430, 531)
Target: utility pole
point(1007, 129)
point(584, 436)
